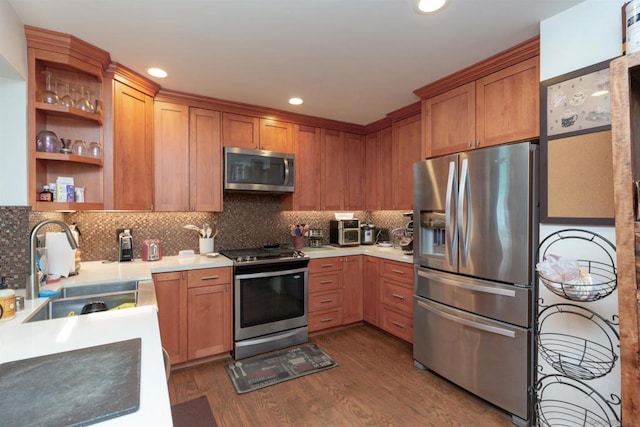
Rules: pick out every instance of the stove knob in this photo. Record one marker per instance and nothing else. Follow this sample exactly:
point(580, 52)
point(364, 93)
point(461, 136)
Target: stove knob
point(254, 258)
point(247, 258)
point(301, 254)
point(239, 259)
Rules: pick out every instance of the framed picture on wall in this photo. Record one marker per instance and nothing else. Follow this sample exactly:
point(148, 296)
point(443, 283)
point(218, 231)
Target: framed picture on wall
point(575, 146)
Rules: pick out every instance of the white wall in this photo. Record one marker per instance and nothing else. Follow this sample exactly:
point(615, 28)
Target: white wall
point(13, 109)
point(584, 35)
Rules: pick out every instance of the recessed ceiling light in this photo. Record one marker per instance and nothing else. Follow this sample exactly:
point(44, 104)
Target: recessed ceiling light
point(295, 101)
point(157, 72)
point(428, 6)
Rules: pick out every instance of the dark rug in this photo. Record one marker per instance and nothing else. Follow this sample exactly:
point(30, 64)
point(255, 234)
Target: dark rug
point(193, 413)
point(262, 371)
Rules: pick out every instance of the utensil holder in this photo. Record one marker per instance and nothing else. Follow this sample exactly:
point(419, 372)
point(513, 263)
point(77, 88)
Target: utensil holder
point(298, 242)
point(206, 245)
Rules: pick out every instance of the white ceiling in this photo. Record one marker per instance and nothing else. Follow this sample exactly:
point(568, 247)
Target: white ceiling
point(351, 60)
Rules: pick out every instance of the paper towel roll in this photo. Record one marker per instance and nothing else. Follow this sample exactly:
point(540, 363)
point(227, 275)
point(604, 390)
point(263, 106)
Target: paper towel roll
point(60, 256)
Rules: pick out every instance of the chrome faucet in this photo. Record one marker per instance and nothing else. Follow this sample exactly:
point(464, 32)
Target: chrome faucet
point(33, 284)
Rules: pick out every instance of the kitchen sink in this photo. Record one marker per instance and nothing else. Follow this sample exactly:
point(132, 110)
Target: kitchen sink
point(73, 298)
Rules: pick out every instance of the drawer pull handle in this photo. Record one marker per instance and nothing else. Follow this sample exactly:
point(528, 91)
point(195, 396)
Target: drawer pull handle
point(324, 301)
point(398, 271)
point(398, 324)
point(397, 296)
point(326, 265)
point(328, 319)
point(210, 277)
point(324, 282)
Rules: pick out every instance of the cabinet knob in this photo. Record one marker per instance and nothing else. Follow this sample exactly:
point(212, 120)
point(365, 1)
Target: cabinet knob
point(477, 143)
point(470, 144)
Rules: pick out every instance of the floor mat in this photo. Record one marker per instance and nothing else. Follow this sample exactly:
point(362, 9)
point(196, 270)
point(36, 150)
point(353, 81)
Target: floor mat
point(262, 371)
point(193, 413)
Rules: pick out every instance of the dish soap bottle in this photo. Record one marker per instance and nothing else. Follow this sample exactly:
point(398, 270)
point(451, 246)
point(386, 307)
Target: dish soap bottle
point(7, 301)
point(75, 232)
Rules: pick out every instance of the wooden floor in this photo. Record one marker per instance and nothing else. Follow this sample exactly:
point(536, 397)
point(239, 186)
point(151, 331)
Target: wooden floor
point(375, 384)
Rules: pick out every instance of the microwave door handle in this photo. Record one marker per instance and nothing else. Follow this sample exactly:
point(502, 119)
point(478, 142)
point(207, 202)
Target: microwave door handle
point(286, 172)
point(451, 242)
point(463, 227)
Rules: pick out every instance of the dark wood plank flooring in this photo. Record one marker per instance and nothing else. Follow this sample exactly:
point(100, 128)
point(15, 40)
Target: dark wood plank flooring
point(375, 384)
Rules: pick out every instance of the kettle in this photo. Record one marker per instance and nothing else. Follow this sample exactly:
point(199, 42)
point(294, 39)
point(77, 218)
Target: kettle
point(151, 250)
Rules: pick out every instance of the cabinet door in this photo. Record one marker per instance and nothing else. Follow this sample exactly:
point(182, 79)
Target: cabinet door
point(450, 121)
point(333, 173)
point(354, 158)
point(407, 149)
point(352, 289)
point(508, 104)
point(171, 295)
point(205, 151)
point(371, 290)
point(240, 131)
point(132, 149)
point(275, 136)
point(171, 157)
point(377, 170)
point(306, 147)
point(386, 158)
point(209, 321)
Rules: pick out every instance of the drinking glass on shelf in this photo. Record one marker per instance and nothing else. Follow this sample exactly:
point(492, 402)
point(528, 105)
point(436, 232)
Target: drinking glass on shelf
point(73, 91)
point(95, 149)
point(89, 97)
point(64, 94)
point(48, 95)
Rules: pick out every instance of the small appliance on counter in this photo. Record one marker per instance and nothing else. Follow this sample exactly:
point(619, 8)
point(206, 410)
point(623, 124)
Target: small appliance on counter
point(344, 232)
point(367, 233)
point(151, 250)
point(125, 244)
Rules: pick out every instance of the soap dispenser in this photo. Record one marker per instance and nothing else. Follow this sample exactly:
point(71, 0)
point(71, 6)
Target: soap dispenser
point(125, 245)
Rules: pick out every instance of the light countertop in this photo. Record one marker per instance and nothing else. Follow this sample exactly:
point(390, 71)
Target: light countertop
point(20, 340)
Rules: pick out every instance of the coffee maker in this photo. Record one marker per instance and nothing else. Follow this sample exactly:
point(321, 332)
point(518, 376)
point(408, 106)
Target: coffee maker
point(125, 244)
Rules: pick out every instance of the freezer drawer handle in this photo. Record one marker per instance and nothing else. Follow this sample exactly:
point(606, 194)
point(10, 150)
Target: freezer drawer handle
point(485, 289)
point(471, 324)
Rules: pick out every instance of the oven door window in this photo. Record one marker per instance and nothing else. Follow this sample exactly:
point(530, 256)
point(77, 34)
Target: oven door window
point(270, 299)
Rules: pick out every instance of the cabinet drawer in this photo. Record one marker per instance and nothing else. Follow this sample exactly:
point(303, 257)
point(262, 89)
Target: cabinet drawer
point(398, 271)
point(397, 324)
point(325, 319)
point(324, 300)
point(325, 282)
point(397, 296)
point(319, 265)
point(208, 277)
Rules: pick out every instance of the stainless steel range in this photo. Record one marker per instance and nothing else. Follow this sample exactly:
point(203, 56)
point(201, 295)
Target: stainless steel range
point(269, 299)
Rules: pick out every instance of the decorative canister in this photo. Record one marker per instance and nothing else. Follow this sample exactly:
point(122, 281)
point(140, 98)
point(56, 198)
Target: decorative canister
point(7, 302)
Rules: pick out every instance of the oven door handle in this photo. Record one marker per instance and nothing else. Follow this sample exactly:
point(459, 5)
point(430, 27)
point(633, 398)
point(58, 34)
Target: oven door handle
point(255, 341)
point(270, 273)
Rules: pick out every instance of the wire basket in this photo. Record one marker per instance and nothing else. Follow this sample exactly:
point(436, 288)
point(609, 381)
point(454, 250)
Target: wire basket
point(588, 408)
point(574, 356)
point(602, 275)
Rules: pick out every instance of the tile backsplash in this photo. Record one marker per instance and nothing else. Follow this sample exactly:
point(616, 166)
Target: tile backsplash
point(248, 220)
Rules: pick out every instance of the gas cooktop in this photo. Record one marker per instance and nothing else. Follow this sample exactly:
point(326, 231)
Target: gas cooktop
point(263, 255)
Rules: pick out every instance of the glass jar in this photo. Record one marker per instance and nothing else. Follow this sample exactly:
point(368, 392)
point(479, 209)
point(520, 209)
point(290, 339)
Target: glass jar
point(48, 95)
point(79, 148)
point(95, 149)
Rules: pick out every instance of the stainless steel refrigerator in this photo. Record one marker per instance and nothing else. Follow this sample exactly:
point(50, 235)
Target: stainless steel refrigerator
point(475, 238)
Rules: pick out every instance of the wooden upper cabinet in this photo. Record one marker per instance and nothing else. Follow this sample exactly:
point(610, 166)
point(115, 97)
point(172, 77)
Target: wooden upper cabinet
point(275, 136)
point(307, 149)
point(354, 161)
point(508, 104)
point(132, 148)
point(171, 155)
point(498, 108)
point(205, 153)
point(333, 170)
point(407, 149)
point(240, 131)
point(450, 121)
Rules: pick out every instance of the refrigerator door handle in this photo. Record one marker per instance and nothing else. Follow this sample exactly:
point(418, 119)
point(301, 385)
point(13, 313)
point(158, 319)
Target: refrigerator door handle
point(491, 329)
point(450, 212)
point(463, 228)
point(469, 286)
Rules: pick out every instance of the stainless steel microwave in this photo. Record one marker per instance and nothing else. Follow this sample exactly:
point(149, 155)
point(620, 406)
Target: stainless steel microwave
point(258, 170)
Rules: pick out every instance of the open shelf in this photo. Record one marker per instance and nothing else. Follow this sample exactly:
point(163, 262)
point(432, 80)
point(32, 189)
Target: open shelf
point(63, 206)
point(63, 111)
point(68, 158)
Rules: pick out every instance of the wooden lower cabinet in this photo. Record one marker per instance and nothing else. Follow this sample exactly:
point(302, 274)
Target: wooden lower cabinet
point(194, 312)
point(396, 299)
point(371, 290)
point(335, 291)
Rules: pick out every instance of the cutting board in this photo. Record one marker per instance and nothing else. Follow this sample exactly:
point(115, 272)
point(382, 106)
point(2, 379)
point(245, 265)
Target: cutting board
point(73, 388)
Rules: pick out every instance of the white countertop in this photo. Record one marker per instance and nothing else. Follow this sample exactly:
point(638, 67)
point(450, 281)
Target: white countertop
point(20, 340)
